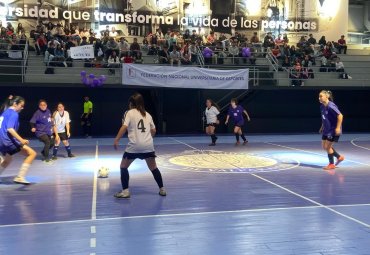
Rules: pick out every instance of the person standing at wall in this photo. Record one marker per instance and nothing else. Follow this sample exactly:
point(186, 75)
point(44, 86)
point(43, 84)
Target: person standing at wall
point(86, 117)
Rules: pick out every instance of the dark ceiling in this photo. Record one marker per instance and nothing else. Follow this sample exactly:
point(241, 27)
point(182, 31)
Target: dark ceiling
point(358, 1)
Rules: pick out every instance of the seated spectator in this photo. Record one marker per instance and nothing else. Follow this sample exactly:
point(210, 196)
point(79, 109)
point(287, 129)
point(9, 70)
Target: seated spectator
point(113, 62)
point(84, 41)
point(268, 41)
point(339, 66)
point(59, 56)
point(276, 52)
point(98, 49)
point(311, 40)
point(279, 41)
point(145, 44)
point(124, 47)
point(342, 45)
point(172, 46)
point(113, 33)
point(234, 53)
point(23, 41)
point(175, 58)
point(185, 58)
point(9, 29)
point(3, 34)
point(193, 52)
point(186, 36)
point(164, 55)
point(135, 49)
point(127, 59)
point(245, 53)
point(41, 45)
point(220, 54)
point(207, 54)
point(302, 42)
point(14, 43)
point(255, 38)
point(20, 29)
point(111, 45)
point(211, 38)
point(322, 41)
point(194, 36)
point(296, 75)
point(84, 33)
point(153, 50)
point(75, 34)
point(285, 38)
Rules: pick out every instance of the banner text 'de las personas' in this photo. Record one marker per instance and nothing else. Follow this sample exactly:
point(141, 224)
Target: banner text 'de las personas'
point(184, 77)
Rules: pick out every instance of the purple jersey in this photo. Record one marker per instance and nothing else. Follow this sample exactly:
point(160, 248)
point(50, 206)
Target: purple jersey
point(329, 116)
point(9, 119)
point(236, 114)
point(42, 122)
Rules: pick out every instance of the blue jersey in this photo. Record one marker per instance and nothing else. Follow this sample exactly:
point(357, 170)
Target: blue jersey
point(236, 114)
point(42, 122)
point(9, 119)
point(329, 116)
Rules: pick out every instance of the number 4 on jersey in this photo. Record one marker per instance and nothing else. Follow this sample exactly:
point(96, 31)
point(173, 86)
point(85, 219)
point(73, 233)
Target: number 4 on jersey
point(141, 126)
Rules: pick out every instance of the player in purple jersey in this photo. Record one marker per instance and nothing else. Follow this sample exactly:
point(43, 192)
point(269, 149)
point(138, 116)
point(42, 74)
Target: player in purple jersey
point(236, 113)
point(331, 127)
point(42, 125)
point(11, 142)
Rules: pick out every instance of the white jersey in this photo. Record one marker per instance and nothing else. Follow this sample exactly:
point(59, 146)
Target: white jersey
point(138, 129)
point(211, 115)
point(60, 121)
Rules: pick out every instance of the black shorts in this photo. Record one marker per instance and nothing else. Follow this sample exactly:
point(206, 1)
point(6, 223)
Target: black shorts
point(88, 119)
point(11, 150)
point(145, 155)
point(63, 136)
point(211, 125)
point(334, 138)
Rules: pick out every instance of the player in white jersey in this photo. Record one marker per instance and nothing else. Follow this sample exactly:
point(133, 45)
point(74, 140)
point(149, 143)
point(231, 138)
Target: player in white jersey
point(140, 131)
point(211, 113)
point(62, 130)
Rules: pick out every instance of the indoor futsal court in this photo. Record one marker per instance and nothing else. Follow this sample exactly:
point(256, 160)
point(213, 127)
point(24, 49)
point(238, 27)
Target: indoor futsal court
point(270, 196)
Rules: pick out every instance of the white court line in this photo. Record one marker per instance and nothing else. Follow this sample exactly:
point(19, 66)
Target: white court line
point(301, 196)
point(185, 144)
point(93, 229)
point(315, 153)
point(180, 215)
point(359, 146)
point(93, 242)
point(95, 184)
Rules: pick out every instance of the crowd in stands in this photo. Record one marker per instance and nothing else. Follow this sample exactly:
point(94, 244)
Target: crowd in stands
point(298, 59)
point(11, 39)
point(173, 48)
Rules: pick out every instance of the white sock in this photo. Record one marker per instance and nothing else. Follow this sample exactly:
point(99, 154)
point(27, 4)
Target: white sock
point(1, 159)
point(23, 170)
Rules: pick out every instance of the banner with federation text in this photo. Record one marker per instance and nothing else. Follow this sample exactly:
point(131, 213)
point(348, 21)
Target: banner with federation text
point(184, 77)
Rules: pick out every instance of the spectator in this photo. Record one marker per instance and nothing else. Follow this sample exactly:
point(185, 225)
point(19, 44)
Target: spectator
point(342, 45)
point(84, 33)
point(285, 38)
point(185, 58)
point(124, 47)
point(98, 49)
point(135, 49)
point(234, 52)
point(111, 45)
point(279, 41)
point(145, 44)
point(311, 40)
point(41, 45)
point(186, 36)
point(339, 66)
point(113, 33)
point(84, 41)
point(153, 50)
point(207, 54)
point(296, 75)
point(164, 55)
point(20, 29)
point(211, 38)
point(302, 42)
point(194, 36)
point(193, 52)
point(113, 62)
point(268, 41)
point(255, 38)
point(175, 57)
point(322, 41)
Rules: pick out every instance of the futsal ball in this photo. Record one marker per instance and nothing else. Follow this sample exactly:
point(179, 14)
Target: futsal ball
point(103, 172)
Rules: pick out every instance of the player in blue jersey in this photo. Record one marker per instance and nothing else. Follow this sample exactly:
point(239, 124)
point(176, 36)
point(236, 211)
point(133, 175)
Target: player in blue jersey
point(236, 114)
point(42, 125)
point(331, 127)
point(11, 142)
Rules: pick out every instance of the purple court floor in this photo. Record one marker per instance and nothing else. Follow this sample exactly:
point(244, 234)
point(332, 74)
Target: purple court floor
point(270, 196)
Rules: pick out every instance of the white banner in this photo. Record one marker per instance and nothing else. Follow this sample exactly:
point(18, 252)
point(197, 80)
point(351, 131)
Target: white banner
point(82, 52)
point(184, 77)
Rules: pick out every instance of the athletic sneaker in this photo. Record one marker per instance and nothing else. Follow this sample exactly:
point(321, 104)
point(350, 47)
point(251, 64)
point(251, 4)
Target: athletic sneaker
point(123, 194)
point(329, 167)
point(340, 159)
point(237, 143)
point(21, 180)
point(245, 142)
point(71, 155)
point(162, 192)
point(212, 144)
point(54, 157)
